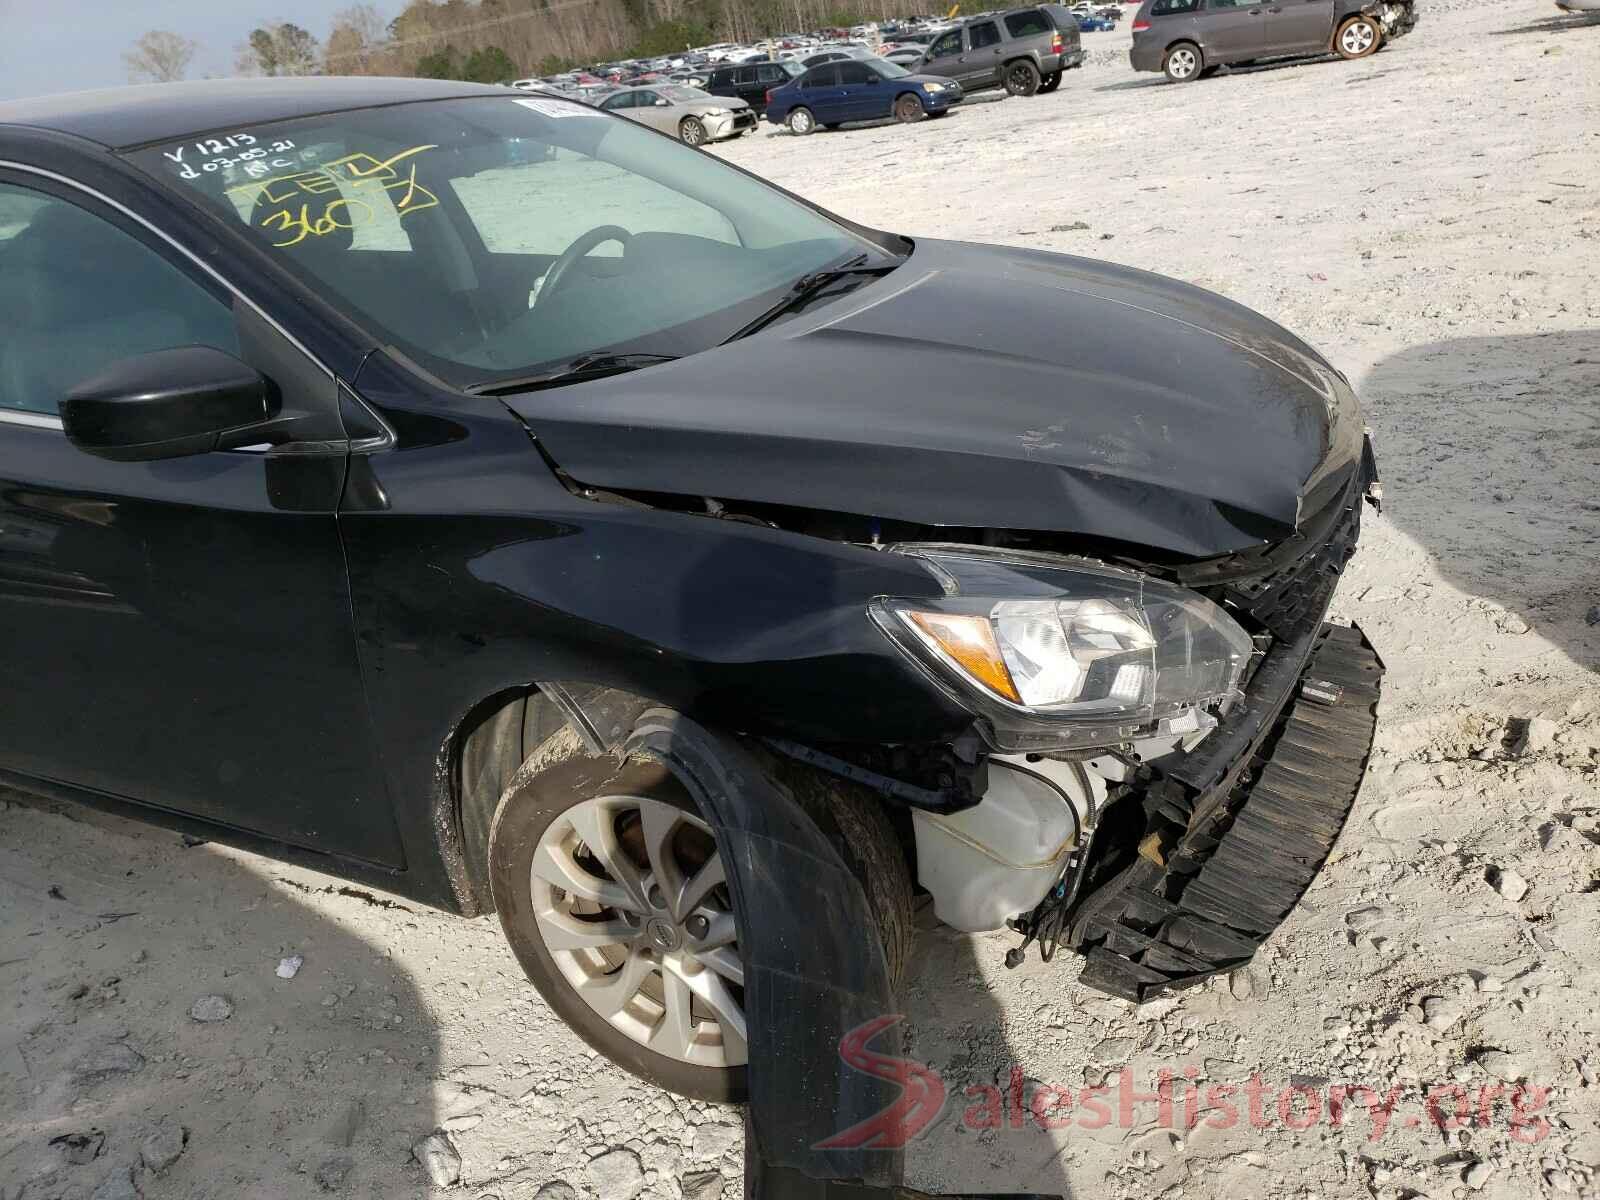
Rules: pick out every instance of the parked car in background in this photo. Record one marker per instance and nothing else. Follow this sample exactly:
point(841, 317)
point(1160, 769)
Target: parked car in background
point(751, 82)
point(1190, 39)
point(1023, 50)
point(865, 90)
point(835, 54)
point(692, 116)
point(1095, 23)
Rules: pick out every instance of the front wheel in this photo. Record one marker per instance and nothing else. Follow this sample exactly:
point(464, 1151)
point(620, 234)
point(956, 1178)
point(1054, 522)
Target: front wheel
point(801, 122)
point(1357, 38)
point(1022, 78)
point(1182, 63)
point(613, 895)
point(908, 108)
point(1050, 83)
point(692, 131)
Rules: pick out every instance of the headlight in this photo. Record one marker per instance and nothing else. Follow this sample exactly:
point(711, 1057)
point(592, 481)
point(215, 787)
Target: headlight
point(715, 112)
point(933, 87)
point(1078, 654)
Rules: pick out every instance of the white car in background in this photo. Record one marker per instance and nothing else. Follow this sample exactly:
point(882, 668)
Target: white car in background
point(692, 116)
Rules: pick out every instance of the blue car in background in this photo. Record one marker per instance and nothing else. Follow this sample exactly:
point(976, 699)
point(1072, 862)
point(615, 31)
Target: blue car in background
point(861, 90)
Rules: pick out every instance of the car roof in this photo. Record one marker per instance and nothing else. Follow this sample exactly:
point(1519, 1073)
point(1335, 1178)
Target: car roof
point(156, 112)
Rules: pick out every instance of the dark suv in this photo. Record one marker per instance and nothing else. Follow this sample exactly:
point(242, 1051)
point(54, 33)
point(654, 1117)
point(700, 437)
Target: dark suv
point(1189, 39)
point(752, 81)
point(1024, 50)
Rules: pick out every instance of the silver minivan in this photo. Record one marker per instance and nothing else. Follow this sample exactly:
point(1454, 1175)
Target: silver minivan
point(1190, 39)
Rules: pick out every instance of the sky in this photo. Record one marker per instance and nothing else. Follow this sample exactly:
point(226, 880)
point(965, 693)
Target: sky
point(68, 45)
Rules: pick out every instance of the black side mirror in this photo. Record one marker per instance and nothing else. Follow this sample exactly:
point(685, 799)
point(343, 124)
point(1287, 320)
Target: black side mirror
point(171, 403)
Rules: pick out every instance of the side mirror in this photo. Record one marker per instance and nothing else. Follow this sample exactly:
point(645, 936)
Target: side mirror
point(171, 403)
point(663, 104)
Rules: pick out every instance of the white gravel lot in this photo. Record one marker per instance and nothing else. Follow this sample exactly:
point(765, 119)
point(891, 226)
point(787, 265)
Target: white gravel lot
point(1430, 218)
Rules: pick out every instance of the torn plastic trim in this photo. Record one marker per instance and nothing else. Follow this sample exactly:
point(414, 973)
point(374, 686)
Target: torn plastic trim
point(813, 973)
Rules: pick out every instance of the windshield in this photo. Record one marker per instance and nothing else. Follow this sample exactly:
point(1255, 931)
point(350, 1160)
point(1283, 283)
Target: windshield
point(489, 238)
point(888, 69)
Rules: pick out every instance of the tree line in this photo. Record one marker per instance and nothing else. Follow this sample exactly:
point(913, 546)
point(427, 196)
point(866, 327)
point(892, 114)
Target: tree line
point(491, 41)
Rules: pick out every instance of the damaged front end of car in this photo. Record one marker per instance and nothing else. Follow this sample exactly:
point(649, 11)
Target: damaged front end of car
point(1394, 17)
point(1158, 761)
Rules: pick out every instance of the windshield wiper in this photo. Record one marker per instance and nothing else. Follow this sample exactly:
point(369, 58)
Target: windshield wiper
point(585, 366)
point(809, 285)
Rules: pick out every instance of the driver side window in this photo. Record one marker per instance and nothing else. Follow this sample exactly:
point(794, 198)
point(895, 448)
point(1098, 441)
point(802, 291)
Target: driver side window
point(77, 293)
point(947, 45)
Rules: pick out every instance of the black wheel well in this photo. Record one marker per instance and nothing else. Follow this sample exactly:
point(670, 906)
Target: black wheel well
point(490, 743)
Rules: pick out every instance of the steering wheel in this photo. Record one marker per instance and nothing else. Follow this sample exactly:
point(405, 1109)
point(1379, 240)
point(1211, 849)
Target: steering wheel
point(568, 258)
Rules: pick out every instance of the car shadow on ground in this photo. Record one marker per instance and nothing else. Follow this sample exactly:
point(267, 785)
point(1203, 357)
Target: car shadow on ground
point(110, 931)
point(1239, 71)
point(1508, 504)
point(1564, 23)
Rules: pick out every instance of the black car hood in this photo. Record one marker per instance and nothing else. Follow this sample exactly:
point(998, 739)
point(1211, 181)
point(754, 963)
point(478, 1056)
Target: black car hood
point(985, 386)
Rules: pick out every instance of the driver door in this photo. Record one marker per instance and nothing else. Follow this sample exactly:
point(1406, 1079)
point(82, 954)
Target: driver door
point(652, 108)
point(947, 56)
point(178, 633)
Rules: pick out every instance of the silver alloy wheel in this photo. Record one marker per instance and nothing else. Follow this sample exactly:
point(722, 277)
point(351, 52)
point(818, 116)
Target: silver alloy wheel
point(1181, 63)
point(651, 948)
point(1357, 38)
point(692, 131)
point(800, 121)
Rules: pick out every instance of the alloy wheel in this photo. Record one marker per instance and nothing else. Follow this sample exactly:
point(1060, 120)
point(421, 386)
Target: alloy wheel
point(1182, 62)
point(1357, 38)
point(692, 132)
point(631, 900)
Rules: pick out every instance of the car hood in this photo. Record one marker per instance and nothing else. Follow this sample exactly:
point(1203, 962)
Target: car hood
point(983, 386)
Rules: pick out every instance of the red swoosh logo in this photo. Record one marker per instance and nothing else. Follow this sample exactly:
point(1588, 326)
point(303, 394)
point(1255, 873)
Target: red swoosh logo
point(921, 1097)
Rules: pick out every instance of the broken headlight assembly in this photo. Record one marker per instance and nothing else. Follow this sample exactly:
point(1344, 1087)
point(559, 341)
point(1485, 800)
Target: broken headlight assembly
point(1057, 653)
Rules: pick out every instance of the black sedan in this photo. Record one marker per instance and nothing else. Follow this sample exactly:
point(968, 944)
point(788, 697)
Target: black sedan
point(367, 500)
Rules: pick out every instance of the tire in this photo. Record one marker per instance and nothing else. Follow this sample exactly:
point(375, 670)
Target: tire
point(800, 121)
point(1183, 62)
point(1357, 38)
point(540, 818)
point(692, 131)
point(1049, 83)
point(908, 109)
point(1021, 78)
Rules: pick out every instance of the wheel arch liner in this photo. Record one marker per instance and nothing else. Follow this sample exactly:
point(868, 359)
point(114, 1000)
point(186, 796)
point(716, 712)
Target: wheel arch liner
point(813, 971)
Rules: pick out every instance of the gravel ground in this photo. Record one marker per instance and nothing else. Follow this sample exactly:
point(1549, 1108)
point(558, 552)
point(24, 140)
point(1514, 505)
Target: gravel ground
point(1429, 217)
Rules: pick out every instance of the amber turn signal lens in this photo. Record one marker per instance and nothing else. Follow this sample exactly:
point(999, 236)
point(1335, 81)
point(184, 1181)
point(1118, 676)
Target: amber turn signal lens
point(969, 642)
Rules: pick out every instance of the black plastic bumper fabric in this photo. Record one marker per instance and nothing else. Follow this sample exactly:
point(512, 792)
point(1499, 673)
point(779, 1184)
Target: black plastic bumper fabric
point(813, 971)
point(1249, 854)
